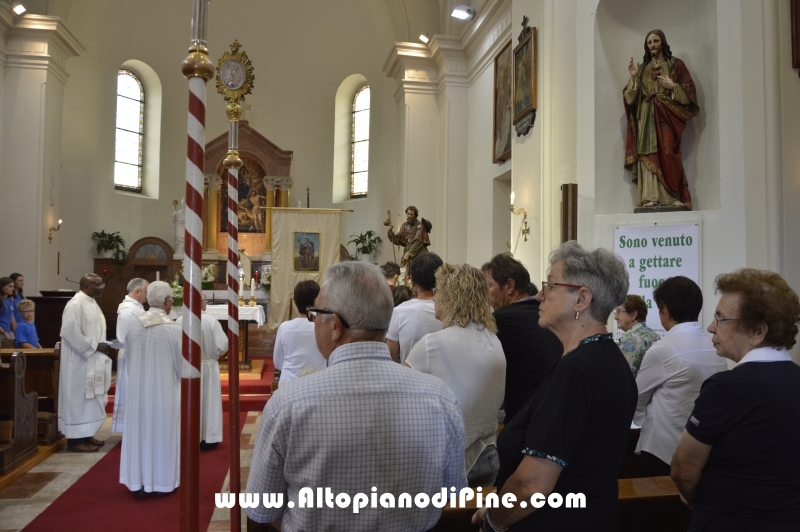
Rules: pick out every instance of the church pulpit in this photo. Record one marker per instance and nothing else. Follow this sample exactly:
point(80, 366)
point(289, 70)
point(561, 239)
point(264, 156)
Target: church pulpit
point(49, 309)
point(19, 407)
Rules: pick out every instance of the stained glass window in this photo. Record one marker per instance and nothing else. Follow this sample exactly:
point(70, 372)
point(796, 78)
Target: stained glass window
point(130, 132)
point(359, 145)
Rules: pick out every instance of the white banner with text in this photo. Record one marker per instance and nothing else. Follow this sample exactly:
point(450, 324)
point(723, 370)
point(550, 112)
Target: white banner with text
point(654, 252)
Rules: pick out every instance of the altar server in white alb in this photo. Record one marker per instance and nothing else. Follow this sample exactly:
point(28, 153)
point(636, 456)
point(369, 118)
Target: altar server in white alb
point(127, 314)
point(150, 460)
point(213, 343)
point(85, 372)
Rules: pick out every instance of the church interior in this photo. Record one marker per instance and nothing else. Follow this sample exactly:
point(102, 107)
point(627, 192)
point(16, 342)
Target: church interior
point(432, 143)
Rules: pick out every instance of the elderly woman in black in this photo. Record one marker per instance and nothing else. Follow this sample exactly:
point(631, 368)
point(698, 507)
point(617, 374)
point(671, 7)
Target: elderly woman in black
point(736, 462)
point(571, 435)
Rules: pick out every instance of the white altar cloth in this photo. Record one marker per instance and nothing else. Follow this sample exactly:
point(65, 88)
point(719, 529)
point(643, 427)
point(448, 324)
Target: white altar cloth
point(246, 313)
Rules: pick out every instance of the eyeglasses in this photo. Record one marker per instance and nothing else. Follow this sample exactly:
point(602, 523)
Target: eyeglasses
point(547, 286)
point(618, 312)
point(312, 312)
point(719, 319)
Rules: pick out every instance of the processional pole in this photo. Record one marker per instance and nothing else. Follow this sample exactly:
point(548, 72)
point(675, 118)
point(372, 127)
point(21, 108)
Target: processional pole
point(198, 69)
point(234, 81)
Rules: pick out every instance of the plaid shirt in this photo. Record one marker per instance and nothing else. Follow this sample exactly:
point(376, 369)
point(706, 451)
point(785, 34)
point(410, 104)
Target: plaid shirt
point(363, 422)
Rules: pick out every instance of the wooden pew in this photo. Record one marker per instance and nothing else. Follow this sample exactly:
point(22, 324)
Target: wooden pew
point(41, 377)
point(20, 407)
point(645, 504)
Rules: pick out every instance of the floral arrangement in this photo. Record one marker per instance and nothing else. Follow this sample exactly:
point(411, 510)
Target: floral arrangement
point(177, 289)
point(209, 276)
point(266, 278)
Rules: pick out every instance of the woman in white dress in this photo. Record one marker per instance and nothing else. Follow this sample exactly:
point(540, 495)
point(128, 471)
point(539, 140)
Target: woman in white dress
point(467, 355)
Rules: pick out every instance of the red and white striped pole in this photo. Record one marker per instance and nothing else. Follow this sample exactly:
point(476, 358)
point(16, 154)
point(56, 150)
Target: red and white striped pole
point(198, 69)
point(232, 162)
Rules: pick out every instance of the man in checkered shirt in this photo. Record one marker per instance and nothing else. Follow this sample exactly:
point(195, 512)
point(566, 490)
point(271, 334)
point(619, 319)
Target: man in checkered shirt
point(363, 425)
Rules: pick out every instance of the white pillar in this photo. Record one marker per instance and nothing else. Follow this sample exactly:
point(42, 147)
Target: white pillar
point(33, 54)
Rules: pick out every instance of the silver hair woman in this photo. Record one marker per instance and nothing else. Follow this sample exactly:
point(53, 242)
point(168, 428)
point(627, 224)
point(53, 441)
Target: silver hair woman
point(580, 415)
point(468, 357)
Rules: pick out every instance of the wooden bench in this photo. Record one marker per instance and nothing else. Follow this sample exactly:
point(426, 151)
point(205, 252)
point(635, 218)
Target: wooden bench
point(41, 377)
point(18, 407)
point(645, 504)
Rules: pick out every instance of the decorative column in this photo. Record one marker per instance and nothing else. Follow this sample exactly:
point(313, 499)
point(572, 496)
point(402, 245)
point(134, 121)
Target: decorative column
point(198, 70)
point(234, 81)
point(284, 185)
point(213, 186)
point(270, 186)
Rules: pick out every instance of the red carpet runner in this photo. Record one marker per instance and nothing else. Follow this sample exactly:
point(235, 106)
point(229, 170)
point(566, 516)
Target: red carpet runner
point(97, 501)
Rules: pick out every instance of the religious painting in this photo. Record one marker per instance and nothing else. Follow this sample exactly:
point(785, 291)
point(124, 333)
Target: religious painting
point(306, 252)
point(525, 76)
point(252, 196)
point(503, 112)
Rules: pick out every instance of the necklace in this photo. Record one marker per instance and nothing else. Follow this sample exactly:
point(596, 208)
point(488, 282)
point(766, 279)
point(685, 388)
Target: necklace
point(589, 339)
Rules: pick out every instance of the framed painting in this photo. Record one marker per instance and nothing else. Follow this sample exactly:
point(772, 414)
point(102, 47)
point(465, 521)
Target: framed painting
point(306, 252)
point(503, 112)
point(525, 76)
point(252, 196)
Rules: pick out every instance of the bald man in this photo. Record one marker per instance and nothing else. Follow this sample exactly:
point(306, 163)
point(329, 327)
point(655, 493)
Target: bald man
point(85, 372)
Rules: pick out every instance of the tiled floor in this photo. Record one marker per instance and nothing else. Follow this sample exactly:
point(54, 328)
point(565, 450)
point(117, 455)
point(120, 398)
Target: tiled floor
point(28, 496)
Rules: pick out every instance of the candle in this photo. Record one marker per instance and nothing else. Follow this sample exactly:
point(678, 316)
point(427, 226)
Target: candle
point(241, 287)
point(512, 197)
point(158, 276)
point(256, 276)
point(252, 287)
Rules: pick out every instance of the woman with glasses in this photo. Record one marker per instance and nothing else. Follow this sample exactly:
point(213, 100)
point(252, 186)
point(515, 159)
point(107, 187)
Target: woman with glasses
point(468, 357)
point(736, 463)
point(637, 337)
point(571, 435)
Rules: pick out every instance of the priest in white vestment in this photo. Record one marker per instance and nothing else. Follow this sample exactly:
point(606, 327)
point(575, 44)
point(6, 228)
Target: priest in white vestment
point(85, 371)
point(213, 343)
point(127, 314)
point(150, 460)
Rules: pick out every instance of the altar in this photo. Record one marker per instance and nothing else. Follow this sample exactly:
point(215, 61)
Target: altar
point(246, 314)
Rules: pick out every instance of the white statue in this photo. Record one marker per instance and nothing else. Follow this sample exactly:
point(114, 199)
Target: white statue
point(179, 226)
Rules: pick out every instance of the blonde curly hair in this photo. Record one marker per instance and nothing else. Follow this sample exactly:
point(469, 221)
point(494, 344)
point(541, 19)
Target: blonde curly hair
point(462, 294)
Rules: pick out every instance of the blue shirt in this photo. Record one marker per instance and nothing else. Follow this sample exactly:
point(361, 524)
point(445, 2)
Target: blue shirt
point(5, 314)
point(17, 316)
point(26, 332)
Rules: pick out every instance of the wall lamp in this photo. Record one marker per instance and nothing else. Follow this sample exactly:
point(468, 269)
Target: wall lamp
point(525, 229)
point(463, 12)
point(54, 230)
point(16, 7)
point(424, 38)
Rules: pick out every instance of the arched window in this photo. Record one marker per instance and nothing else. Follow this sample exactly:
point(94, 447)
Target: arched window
point(359, 144)
point(129, 143)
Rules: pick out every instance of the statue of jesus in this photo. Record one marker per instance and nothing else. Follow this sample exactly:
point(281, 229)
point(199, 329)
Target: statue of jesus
point(660, 98)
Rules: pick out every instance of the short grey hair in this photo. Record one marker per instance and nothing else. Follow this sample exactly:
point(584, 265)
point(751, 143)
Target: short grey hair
point(136, 284)
point(599, 270)
point(158, 292)
point(358, 292)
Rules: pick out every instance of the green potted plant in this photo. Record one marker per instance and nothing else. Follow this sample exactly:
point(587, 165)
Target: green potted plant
point(366, 244)
point(110, 242)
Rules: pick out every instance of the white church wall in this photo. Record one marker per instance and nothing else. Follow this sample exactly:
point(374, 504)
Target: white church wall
point(488, 214)
point(790, 154)
point(301, 53)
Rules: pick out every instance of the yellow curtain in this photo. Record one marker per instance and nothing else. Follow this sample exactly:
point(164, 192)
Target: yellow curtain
point(292, 229)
